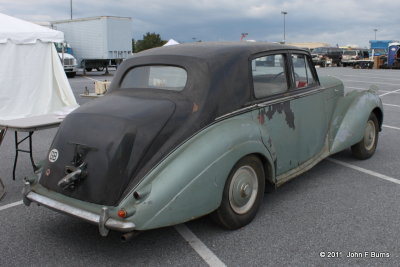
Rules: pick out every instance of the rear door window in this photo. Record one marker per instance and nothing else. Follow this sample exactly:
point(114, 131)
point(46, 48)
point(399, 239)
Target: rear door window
point(269, 75)
point(303, 75)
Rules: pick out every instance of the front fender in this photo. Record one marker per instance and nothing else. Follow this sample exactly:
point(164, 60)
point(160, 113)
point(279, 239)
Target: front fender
point(189, 183)
point(350, 117)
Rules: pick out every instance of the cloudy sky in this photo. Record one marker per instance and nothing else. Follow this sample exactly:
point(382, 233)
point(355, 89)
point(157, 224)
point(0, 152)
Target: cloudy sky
point(333, 21)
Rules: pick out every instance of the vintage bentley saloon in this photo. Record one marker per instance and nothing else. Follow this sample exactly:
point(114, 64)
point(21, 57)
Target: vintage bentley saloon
point(196, 129)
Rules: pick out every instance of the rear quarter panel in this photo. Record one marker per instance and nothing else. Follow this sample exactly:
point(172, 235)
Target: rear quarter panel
point(189, 183)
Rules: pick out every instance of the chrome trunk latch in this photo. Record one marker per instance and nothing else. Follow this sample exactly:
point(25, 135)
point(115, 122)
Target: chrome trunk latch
point(73, 176)
point(78, 171)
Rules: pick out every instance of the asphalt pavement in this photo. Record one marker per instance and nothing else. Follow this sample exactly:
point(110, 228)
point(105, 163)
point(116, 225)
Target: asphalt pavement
point(343, 212)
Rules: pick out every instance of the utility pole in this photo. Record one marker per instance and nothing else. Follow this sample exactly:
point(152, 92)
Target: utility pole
point(70, 7)
point(284, 13)
point(375, 30)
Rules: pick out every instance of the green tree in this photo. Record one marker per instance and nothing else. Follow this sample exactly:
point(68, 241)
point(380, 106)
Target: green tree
point(150, 40)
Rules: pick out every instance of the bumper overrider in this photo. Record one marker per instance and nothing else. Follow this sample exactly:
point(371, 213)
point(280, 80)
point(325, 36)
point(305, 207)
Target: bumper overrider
point(103, 220)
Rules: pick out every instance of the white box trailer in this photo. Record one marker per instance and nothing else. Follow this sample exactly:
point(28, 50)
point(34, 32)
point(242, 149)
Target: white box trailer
point(98, 42)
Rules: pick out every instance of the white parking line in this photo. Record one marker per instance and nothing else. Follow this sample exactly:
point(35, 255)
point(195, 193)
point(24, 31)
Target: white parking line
point(395, 84)
point(11, 205)
point(384, 78)
point(372, 173)
point(391, 92)
point(360, 88)
point(205, 253)
point(391, 127)
point(391, 105)
point(91, 79)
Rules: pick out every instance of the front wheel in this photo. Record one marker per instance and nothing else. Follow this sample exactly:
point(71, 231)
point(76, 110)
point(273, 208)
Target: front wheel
point(367, 146)
point(71, 74)
point(243, 194)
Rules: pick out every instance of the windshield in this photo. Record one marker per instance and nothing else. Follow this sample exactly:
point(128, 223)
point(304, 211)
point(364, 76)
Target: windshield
point(58, 47)
point(379, 51)
point(159, 77)
point(320, 50)
point(350, 53)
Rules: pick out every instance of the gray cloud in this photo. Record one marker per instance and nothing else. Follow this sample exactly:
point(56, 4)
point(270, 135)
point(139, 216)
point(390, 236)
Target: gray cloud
point(336, 22)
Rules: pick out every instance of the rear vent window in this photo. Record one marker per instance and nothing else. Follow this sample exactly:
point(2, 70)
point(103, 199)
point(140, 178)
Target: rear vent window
point(158, 77)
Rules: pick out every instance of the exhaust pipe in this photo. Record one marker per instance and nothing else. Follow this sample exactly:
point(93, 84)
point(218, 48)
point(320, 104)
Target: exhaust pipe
point(128, 236)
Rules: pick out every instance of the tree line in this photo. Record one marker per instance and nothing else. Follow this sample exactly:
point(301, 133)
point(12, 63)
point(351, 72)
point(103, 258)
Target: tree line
point(150, 40)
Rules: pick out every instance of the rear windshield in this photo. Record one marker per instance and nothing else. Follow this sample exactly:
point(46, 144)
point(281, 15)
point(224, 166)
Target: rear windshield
point(350, 53)
point(158, 77)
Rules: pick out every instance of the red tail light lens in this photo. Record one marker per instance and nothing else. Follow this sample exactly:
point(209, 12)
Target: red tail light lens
point(122, 213)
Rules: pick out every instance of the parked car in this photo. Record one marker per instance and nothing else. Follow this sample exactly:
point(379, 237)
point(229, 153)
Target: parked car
point(350, 57)
point(325, 56)
point(196, 129)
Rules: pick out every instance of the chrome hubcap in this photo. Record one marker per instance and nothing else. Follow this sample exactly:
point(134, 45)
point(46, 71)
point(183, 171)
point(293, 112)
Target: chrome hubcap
point(243, 189)
point(369, 135)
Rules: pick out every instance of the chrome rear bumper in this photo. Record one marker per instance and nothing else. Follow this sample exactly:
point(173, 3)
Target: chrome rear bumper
point(103, 220)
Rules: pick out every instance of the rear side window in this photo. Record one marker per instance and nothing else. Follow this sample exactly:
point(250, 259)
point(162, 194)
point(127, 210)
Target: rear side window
point(269, 75)
point(302, 73)
point(159, 77)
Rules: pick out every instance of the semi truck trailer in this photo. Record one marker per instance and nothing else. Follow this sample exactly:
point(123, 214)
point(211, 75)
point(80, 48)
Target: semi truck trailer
point(98, 42)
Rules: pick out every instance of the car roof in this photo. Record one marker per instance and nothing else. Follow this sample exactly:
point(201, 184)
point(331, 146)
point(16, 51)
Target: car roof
point(216, 72)
point(213, 50)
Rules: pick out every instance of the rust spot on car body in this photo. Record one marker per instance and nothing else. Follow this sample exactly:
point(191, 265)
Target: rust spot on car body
point(261, 114)
point(285, 108)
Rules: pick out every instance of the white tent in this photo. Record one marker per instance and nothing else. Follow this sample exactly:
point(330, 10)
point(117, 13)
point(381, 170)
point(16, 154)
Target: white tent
point(171, 42)
point(32, 78)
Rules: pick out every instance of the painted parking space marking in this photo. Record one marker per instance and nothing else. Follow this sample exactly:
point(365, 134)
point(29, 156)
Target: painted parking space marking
point(11, 205)
point(91, 79)
point(365, 89)
point(391, 105)
point(390, 127)
point(391, 92)
point(377, 83)
point(372, 173)
point(383, 78)
point(205, 253)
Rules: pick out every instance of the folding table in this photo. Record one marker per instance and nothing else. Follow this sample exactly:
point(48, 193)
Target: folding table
point(28, 125)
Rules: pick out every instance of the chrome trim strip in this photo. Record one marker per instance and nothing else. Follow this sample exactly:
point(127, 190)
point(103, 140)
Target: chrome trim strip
point(287, 98)
point(88, 216)
point(270, 102)
point(242, 110)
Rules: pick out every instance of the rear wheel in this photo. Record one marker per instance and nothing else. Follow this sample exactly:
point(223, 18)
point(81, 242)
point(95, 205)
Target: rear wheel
point(71, 74)
point(88, 69)
point(101, 68)
point(243, 194)
point(367, 146)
